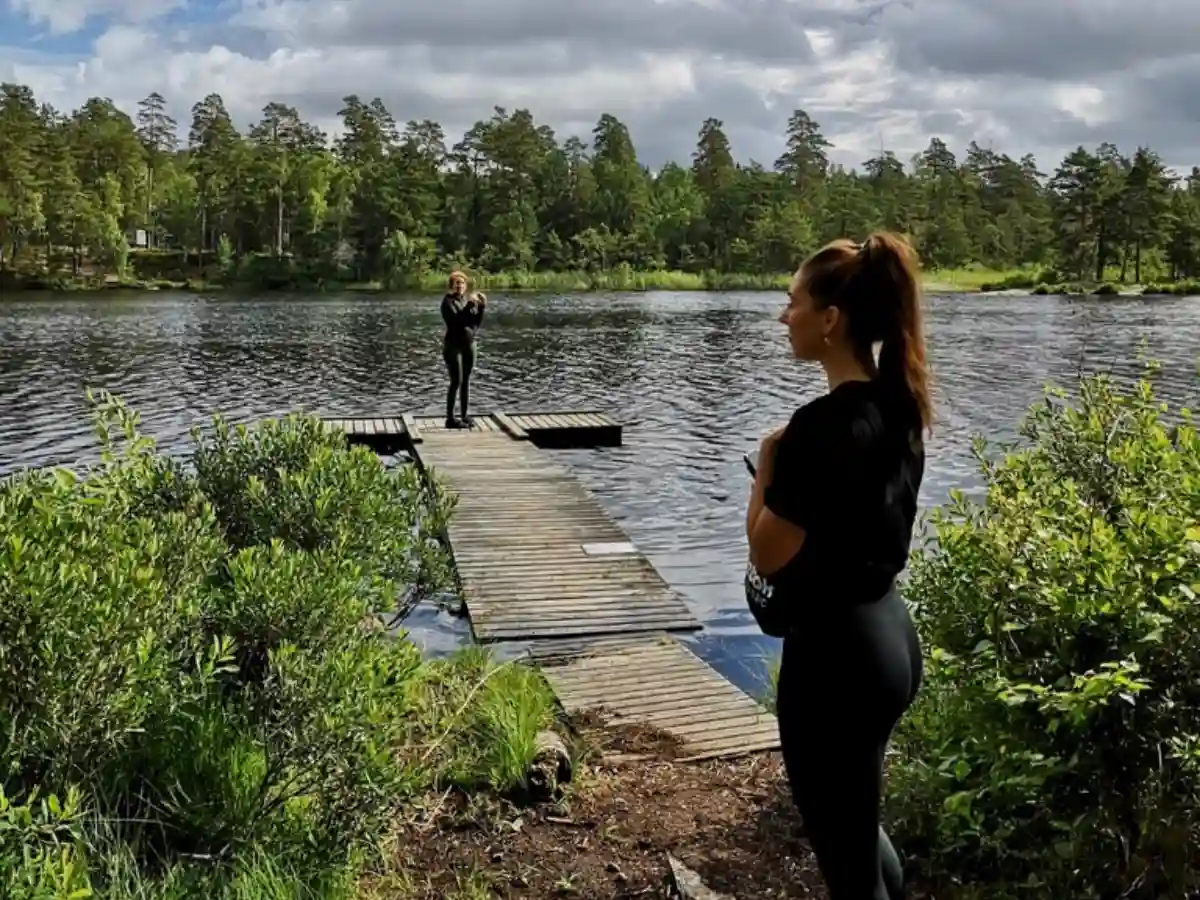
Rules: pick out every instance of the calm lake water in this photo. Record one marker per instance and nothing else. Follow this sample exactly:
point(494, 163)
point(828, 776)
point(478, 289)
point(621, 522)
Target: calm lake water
point(696, 377)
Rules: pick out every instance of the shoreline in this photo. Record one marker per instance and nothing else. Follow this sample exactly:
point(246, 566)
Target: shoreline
point(582, 284)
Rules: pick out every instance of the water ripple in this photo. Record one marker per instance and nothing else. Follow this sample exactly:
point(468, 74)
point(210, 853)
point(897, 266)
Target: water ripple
point(696, 377)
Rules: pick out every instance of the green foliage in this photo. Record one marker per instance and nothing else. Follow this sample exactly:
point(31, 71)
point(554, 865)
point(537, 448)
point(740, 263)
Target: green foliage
point(102, 581)
point(1055, 750)
point(191, 657)
point(480, 719)
point(296, 481)
point(386, 203)
point(41, 856)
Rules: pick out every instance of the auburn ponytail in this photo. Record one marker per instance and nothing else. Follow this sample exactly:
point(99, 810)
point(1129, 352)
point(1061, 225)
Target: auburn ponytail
point(877, 286)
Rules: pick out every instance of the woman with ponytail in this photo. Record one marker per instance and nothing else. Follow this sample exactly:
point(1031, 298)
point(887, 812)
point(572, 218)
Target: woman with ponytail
point(829, 525)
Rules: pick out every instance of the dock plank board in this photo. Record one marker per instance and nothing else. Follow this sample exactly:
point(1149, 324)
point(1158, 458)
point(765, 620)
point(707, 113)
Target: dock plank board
point(518, 537)
point(541, 562)
point(658, 682)
point(553, 429)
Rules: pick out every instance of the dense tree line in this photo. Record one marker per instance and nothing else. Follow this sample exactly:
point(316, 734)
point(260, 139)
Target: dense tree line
point(384, 199)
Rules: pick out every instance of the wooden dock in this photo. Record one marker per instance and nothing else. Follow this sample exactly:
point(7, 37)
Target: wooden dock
point(657, 681)
point(540, 561)
point(388, 434)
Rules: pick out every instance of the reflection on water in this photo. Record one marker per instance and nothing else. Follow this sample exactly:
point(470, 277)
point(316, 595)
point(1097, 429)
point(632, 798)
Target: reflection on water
point(696, 377)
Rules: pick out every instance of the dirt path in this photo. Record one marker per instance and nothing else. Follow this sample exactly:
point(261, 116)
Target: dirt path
point(729, 820)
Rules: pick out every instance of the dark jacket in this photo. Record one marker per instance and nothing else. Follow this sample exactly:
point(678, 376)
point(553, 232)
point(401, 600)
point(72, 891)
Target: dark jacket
point(462, 316)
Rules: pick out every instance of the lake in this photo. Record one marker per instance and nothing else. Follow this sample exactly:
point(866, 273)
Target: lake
point(696, 377)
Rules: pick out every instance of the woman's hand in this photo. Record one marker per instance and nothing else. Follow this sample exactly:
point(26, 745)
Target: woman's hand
point(480, 297)
point(766, 453)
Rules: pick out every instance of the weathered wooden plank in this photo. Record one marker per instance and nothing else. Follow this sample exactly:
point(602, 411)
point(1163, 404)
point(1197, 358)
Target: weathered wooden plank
point(518, 537)
point(541, 561)
point(574, 628)
point(514, 431)
point(667, 686)
point(410, 428)
point(562, 428)
point(573, 650)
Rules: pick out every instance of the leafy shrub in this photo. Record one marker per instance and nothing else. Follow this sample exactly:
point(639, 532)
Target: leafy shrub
point(194, 649)
point(296, 481)
point(1055, 750)
point(102, 585)
point(41, 857)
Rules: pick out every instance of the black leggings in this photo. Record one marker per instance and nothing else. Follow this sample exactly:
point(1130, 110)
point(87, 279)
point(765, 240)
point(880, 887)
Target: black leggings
point(843, 686)
point(460, 360)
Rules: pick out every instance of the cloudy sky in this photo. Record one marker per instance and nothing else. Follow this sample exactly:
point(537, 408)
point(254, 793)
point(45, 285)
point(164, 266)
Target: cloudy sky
point(1037, 76)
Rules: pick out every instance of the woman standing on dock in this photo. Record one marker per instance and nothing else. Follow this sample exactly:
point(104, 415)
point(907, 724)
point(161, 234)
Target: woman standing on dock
point(829, 526)
point(462, 315)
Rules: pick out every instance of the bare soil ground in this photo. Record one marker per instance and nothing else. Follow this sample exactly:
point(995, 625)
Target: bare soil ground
point(608, 837)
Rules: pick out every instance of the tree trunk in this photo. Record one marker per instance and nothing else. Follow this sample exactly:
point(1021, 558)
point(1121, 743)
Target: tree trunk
point(150, 229)
point(279, 223)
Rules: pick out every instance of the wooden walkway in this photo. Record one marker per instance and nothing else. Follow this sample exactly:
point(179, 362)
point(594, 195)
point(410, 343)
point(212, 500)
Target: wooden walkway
point(657, 681)
point(572, 429)
point(537, 555)
point(541, 562)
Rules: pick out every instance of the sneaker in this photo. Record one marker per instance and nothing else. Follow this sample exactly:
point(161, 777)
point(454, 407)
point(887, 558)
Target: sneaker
point(452, 422)
point(467, 421)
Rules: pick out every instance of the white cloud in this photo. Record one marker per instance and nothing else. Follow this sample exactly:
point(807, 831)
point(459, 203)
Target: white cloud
point(1024, 76)
point(68, 16)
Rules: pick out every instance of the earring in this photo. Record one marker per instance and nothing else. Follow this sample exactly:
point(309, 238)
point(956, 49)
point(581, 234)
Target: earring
point(826, 339)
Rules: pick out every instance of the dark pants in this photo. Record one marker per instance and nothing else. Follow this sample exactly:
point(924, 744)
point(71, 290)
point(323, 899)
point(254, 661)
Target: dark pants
point(843, 686)
point(460, 360)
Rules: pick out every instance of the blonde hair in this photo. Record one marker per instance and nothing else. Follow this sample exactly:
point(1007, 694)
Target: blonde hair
point(455, 276)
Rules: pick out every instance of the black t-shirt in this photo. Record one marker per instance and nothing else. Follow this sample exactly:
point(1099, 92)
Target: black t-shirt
point(848, 470)
point(462, 316)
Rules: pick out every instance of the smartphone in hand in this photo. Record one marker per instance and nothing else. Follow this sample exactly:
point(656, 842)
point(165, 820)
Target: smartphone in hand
point(751, 460)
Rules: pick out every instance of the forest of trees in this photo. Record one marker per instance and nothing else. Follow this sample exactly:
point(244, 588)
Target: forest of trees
point(384, 201)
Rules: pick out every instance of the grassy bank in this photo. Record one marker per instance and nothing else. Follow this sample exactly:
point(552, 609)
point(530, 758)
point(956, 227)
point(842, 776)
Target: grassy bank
point(179, 271)
point(1043, 282)
point(951, 281)
point(533, 282)
point(165, 271)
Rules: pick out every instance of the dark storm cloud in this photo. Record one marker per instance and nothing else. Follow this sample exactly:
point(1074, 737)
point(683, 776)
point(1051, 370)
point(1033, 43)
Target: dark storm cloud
point(670, 132)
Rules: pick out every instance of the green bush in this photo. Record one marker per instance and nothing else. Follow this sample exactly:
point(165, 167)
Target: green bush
point(190, 653)
point(1055, 750)
point(41, 856)
point(295, 480)
point(103, 581)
